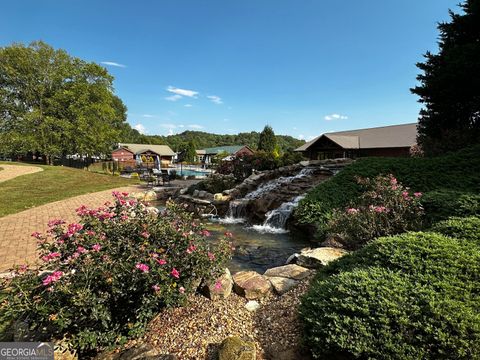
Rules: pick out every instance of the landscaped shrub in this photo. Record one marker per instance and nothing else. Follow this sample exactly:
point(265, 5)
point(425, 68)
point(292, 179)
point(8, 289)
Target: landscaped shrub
point(385, 207)
point(102, 279)
point(442, 204)
point(467, 228)
point(410, 296)
point(216, 183)
point(459, 171)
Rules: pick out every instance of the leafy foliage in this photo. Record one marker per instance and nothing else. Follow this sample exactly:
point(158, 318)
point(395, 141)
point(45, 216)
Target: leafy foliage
point(467, 228)
point(450, 85)
point(443, 203)
point(54, 104)
point(411, 296)
point(104, 278)
point(459, 171)
point(385, 207)
point(267, 141)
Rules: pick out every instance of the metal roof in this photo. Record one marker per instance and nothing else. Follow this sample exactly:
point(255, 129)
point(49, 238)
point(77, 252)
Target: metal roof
point(163, 150)
point(404, 135)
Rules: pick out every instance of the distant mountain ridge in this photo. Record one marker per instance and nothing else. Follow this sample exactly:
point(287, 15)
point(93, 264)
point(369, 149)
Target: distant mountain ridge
point(205, 140)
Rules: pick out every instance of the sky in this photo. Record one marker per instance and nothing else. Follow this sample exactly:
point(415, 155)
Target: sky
point(304, 67)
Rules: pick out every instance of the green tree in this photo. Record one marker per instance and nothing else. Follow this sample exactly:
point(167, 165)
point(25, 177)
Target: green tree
point(267, 141)
point(55, 104)
point(190, 152)
point(450, 85)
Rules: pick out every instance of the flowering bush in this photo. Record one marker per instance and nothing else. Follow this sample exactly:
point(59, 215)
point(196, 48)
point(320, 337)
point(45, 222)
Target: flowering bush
point(102, 279)
point(384, 208)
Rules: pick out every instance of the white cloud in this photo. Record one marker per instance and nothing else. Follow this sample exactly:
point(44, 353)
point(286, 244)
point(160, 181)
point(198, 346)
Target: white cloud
point(140, 128)
point(335, 117)
point(195, 126)
point(181, 126)
point(112, 63)
point(182, 92)
point(170, 132)
point(215, 99)
point(173, 97)
point(301, 136)
point(148, 116)
point(188, 105)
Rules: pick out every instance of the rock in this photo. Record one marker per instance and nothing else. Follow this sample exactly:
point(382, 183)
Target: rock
point(319, 257)
point(292, 259)
point(282, 285)
point(234, 348)
point(183, 191)
point(195, 193)
point(333, 241)
point(251, 284)
point(252, 305)
point(291, 271)
point(141, 352)
point(202, 194)
point(220, 197)
point(150, 196)
point(225, 289)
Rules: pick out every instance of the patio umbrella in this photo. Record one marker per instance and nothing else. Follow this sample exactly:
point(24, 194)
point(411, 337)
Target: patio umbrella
point(158, 163)
point(138, 159)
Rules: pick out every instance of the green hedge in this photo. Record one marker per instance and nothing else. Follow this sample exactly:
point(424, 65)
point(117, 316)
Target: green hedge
point(412, 296)
point(459, 172)
point(461, 228)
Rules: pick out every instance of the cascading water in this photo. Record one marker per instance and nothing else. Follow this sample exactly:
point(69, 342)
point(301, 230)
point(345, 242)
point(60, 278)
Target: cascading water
point(236, 212)
point(277, 219)
point(274, 184)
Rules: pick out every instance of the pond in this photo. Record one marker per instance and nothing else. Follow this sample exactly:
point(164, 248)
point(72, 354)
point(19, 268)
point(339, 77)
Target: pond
point(257, 247)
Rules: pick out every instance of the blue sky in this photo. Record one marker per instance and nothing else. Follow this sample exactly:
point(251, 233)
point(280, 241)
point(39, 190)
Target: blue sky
point(304, 67)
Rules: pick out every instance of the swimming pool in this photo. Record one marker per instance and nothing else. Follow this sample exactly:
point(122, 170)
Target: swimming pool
point(191, 172)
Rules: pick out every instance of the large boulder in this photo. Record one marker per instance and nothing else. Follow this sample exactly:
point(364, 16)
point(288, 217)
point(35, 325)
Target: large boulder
point(234, 348)
point(291, 271)
point(251, 285)
point(281, 284)
point(319, 257)
point(221, 288)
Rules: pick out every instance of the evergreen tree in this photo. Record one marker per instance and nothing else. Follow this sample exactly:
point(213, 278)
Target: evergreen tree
point(450, 85)
point(190, 152)
point(267, 141)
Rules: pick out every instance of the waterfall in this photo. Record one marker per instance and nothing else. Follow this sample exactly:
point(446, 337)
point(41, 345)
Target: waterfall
point(236, 212)
point(277, 219)
point(274, 184)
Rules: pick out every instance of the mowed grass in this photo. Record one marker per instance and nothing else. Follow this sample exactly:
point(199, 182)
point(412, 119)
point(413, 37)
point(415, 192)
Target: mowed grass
point(52, 184)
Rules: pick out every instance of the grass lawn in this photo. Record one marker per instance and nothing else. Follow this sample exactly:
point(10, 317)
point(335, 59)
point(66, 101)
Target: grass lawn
point(52, 184)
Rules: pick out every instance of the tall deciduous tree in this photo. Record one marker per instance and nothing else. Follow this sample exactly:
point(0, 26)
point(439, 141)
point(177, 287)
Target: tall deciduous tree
point(450, 85)
point(55, 104)
point(267, 141)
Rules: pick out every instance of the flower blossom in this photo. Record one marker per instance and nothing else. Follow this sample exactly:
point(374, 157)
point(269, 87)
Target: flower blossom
point(81, 250)
point(145, 234)
point(156, 288)
point(50, 256)
point(55, 222)
point(417, 194)
point(352, 211)
point(228, 234)
point(161, 261)
point(96, 247)
point(55, 276)
point(142, 267)
point(218, 285)
point(175, 273)
point(191, 249)
point(205, 233)
point(181, 289)
point(211, 256)
point(36, 235)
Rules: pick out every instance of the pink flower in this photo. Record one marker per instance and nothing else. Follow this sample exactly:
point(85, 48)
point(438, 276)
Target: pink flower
point(211, 256)
point(51, 256)
point(218, 285)
point(142, 267)
point(90, 232)
point(380, 209)
point(181, 289)
point(228, 234)
point(55, 222)
point(393, 181)
point(81, 250)
point(145, 234)
point(175, 273)
point(96, 247)
point(417, 194)
point(352, 211)
point(161, 261)
point(205, 233)
point(55, 276)
point(156, 288)
point(405, 195)
point(125, 193)
point(36, 234)
point(191, 249)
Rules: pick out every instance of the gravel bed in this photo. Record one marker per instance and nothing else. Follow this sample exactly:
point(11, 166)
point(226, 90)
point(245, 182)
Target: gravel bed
point(195, 330)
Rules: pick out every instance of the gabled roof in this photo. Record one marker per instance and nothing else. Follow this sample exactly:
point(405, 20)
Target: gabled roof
point(163, 150)
point(232, 149)
point(404, 135)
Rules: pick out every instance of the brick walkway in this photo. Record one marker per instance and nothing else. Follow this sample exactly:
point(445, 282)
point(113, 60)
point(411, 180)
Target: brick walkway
point(16, 244)
point(11, 171)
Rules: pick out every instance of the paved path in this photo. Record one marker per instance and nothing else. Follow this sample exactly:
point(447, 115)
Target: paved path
point(16, 244)
point(12, 171)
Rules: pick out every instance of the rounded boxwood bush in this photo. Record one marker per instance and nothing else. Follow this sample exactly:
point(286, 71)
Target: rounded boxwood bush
point(467, 228)
point(410, 296)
